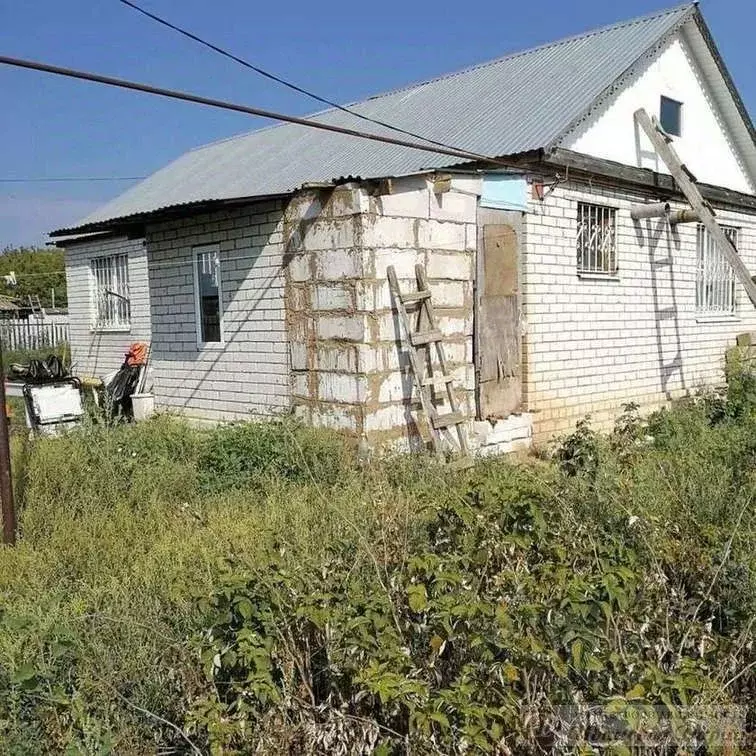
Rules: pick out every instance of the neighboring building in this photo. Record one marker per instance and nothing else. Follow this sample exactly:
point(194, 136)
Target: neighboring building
point(256, 266)
point(9, 308)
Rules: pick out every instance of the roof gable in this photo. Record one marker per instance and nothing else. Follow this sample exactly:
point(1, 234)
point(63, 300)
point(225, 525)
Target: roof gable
point(515, 104)
point(707, 143)
point(723, 90)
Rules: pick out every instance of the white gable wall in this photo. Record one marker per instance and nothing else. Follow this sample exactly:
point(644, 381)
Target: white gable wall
point(704, 145)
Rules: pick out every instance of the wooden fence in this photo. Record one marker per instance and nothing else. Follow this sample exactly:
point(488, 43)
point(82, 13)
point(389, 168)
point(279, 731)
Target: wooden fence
point(26, 335)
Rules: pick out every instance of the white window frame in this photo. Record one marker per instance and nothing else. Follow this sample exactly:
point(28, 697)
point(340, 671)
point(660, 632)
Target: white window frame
point(715, 278)
point(593, 259)
point(109, 287)
point(197, 252)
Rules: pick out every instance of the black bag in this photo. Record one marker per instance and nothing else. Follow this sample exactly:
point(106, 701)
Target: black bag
point(41, 371)
point(120, 389)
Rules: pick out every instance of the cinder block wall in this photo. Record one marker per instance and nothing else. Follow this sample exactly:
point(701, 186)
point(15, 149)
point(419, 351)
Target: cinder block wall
point(350, 370)
point(324, 263)
point(594, 344)
point(412, 225)
point(249, 375)
point(98, 352)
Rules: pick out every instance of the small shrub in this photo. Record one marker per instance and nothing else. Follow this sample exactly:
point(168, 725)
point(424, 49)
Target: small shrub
point(578, 454)
point(242, 455)
point(629, 434)
point(741, 386)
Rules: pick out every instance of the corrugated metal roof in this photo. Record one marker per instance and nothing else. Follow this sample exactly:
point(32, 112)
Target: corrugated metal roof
point(510, 105)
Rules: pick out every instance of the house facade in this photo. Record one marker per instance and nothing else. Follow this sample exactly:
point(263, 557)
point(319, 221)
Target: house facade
point(261, 291)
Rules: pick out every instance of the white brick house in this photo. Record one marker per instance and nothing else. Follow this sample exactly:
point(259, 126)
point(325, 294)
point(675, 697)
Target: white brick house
point(259, 275)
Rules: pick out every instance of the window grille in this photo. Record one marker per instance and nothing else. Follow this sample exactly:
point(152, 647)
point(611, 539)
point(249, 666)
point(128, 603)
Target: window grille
point(110, 278)
point(596, 239)
point(715, 278)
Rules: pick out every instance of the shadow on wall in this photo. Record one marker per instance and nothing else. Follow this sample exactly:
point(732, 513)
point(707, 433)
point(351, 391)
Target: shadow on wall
point(310, 208)
point(663, 242)
point(174, 342)
point(104, 355)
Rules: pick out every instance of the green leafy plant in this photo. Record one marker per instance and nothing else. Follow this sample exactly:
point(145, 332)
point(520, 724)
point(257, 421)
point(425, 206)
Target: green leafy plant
point(578, 453)
point(258, 589)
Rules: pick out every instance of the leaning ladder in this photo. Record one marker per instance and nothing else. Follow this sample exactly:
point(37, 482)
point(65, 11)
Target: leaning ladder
point(688, 185)
point(420, 342)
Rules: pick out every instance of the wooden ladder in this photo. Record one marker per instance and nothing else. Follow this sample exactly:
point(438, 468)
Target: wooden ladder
point(688, 185)
point(420, 342)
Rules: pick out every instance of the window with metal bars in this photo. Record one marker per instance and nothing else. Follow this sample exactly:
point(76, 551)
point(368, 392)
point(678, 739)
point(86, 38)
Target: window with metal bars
point(596, 239)
point(715, 278)
point(110, 292)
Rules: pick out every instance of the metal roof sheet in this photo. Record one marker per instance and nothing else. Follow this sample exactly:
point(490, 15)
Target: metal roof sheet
point(514, 104)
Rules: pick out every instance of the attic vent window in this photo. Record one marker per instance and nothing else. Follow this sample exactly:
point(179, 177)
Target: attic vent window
point(670, 116)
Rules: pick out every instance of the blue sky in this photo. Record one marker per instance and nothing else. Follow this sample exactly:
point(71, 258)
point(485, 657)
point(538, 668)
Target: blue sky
point(53, 127)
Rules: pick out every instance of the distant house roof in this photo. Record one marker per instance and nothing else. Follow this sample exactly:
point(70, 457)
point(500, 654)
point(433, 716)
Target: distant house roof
point(522, 102)
point(8, 304)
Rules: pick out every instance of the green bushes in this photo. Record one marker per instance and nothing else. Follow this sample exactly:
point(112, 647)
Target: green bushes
point(250, 453)
point(257, 589)
point(478, 632)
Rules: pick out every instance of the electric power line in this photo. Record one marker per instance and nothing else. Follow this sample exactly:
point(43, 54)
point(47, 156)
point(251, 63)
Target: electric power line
point(20, 276)
point(284, 82)
point(225, 105)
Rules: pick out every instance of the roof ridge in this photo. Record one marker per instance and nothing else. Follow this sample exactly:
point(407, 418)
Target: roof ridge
point(477, 66)
point(544, 46)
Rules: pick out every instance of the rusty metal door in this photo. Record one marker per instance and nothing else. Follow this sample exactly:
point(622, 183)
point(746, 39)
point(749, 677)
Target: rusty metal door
point(499, 340)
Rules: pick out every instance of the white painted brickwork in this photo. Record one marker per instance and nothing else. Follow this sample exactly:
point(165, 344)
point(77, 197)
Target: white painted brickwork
point(249, 374)
point(593, 344)
point(505, 436)
point(98, 352)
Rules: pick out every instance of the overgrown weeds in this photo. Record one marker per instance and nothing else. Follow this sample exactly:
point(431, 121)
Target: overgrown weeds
point(257, 589)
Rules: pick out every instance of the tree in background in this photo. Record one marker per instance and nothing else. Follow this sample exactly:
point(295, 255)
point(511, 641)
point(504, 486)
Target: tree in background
point(38, 272)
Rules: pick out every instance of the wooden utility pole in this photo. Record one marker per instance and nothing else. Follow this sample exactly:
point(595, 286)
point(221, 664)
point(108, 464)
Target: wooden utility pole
point(702, 210)
point(6, 482)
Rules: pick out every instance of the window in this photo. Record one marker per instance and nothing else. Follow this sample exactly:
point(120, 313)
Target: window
point(110, 289)
point(715, 278)
point(207, 294)
point(596, 239)
point(670, 116)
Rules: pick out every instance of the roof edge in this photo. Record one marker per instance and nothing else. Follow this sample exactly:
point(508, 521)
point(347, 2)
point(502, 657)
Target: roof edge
point(708, 37)
point(691, 12)
point(657, 183)
point(162, 213)
point(688, 6)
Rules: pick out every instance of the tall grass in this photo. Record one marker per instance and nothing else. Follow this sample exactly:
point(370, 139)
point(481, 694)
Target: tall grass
point(128, 532)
